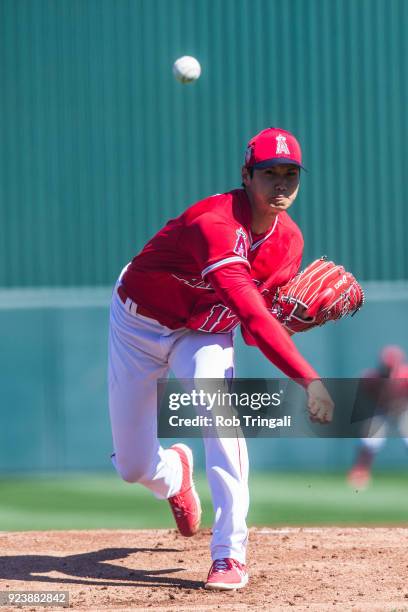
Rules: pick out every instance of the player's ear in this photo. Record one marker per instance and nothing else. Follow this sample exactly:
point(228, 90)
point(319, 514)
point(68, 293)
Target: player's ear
point(246, 175)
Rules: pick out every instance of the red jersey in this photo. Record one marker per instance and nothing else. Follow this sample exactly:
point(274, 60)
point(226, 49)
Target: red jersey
point(274, 258)
point(209, 251)
point(168, 276)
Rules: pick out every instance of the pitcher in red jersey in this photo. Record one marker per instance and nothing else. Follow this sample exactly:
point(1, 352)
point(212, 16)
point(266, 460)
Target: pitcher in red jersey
point(175, 306)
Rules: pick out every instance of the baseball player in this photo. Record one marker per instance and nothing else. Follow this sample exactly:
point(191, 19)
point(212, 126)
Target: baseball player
point(392, 372)
point(171, 310)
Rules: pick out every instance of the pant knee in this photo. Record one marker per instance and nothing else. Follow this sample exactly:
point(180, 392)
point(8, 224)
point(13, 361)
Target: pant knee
point(132, 473)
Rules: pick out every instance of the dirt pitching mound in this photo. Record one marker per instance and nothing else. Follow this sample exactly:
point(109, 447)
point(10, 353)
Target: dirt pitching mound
point(290, 569)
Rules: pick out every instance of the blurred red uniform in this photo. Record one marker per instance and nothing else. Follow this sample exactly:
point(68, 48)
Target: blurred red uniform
point(388, 384)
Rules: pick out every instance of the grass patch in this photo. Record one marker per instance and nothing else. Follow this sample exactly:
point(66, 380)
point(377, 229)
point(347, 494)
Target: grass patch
point(94, 501)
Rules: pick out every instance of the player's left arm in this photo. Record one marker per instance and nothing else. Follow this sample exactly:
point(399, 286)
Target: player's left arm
point(235, 288)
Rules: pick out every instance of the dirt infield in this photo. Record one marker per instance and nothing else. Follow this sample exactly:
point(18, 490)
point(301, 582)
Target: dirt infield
point(290, 569)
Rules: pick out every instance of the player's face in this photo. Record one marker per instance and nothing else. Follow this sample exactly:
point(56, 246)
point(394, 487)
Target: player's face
point(272, 190)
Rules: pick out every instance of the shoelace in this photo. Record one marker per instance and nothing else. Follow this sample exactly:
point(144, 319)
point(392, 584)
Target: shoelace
point(180, 512)
point(221, 566)
point(178, 504)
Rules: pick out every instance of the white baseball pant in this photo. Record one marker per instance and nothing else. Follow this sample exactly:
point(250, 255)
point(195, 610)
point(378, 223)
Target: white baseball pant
point(141, 350)
point(379, 426)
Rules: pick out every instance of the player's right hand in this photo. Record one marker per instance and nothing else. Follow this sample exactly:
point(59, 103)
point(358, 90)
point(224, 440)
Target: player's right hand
point(319, 403)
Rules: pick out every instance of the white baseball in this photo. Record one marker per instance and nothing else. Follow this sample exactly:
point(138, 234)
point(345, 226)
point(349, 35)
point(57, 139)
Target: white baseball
point(186, 69)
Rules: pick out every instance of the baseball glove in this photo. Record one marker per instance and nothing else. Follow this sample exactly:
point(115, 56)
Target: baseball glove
point(322, 292)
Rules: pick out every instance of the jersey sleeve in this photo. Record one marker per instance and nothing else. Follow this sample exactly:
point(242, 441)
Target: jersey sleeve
point(215, 242)
point(236, 290)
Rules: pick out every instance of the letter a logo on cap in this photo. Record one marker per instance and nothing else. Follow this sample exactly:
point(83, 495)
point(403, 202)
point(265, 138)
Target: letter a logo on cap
point(271, 147)
point(281, 146)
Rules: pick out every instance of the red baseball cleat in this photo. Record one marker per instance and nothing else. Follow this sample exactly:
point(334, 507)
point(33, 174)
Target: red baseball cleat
point(226, 574)
point(186, 505)
point(359, 477)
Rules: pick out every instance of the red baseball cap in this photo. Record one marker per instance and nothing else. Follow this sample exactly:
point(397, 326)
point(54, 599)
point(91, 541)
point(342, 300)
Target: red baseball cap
point(272, 147)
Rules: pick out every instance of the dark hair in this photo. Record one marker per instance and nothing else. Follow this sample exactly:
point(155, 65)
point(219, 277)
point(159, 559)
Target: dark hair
point(251, 174)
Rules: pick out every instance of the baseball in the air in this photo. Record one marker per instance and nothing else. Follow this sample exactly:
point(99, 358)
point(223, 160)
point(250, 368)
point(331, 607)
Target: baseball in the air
point(186, 69)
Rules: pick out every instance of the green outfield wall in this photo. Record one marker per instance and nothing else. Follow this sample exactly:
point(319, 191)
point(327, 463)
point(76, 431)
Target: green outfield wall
point(100, 145)
point(53, 391)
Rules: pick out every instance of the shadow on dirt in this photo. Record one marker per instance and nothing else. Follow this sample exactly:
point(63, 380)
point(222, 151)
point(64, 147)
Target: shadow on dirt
point(82, 568)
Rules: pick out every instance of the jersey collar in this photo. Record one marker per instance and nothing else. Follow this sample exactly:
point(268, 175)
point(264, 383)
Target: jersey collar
point(256, 244)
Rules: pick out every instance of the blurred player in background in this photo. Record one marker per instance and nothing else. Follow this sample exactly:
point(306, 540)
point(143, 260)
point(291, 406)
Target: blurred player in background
point(392, 398)
point(175, 307)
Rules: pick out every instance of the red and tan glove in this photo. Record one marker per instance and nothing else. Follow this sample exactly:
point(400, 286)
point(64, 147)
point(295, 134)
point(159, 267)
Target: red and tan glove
point(322, 292)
